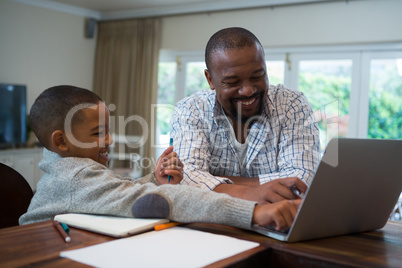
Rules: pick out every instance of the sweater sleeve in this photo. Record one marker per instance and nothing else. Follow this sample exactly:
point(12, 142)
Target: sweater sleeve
point(148, 178)
point(99, 191)
point(191, 204)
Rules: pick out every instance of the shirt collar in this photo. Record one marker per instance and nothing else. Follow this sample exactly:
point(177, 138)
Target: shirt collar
point(268, 106)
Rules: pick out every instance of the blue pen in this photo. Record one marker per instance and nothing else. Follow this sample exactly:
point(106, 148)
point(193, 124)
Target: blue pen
point(170, 144)
point(65, 227)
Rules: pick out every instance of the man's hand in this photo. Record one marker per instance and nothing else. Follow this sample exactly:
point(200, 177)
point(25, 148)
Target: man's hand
point(169, 164)
point(280, 214)
point(270, 192)
point(276, 190)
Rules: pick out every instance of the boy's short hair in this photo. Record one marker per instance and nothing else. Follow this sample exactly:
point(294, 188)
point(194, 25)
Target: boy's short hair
point(50, 109)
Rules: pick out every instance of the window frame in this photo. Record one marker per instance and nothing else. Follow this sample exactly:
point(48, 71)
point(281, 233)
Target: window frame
point(181, 59)
point(354, 87)
point(360, 54)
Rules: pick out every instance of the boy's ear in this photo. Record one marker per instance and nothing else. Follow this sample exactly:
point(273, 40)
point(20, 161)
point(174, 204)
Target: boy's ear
point(59, 141)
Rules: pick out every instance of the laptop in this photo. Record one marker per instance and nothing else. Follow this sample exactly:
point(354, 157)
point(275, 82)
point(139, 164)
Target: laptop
point(355, 188)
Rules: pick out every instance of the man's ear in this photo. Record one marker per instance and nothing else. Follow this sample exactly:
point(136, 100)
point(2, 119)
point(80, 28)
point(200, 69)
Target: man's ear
point(209, 79)
point(59, 141)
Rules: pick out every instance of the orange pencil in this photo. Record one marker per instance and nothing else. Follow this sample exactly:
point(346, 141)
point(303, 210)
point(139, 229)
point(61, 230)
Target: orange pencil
point(166, 225)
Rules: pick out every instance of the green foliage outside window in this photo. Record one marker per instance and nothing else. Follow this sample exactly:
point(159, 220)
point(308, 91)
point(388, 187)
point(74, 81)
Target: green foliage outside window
point(166, 82)
point(385, 121)
point(385, 109)
point(166, 91)
point(329, 97)
point(196, 80)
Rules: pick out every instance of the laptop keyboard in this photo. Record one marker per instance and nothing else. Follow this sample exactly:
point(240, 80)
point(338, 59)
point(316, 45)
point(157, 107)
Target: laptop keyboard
point(271, 228)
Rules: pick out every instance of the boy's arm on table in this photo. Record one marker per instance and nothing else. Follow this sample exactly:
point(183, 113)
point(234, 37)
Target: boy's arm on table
point(98, 192)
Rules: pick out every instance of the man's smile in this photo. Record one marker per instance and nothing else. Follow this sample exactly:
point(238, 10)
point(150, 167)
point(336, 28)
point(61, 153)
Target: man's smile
point(247, 102)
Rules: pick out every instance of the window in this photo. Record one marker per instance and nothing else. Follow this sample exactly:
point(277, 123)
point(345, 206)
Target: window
point(355, 91)
point(276, 72)
point(174, 84)
point(166, 102)
point(195, 78)
point(327, 85)
point(166, 91)
point(385, 99)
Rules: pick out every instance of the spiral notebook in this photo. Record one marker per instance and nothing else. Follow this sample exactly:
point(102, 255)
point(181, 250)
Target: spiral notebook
point(109, 225)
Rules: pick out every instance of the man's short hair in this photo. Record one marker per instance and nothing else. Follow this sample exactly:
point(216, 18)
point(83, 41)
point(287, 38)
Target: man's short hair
point(229, 38)
point(50, 109)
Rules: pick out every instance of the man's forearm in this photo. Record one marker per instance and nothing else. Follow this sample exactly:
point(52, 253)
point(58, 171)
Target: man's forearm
point(270, 192)
point(241, 188)
point(239, 191)
point(245, 181)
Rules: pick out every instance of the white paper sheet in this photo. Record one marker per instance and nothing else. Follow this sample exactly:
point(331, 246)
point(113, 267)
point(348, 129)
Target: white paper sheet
point(174, 247)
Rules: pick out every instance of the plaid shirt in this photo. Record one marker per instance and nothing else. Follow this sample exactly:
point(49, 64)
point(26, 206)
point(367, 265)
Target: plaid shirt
point(283, 142)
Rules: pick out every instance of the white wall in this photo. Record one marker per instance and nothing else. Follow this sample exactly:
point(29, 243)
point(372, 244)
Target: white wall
point(43, 48)
point(332, 23)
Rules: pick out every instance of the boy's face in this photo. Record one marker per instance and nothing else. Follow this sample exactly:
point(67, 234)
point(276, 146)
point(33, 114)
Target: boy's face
point(91, 138)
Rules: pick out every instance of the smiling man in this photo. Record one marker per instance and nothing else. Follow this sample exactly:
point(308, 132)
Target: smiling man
point(245, 137)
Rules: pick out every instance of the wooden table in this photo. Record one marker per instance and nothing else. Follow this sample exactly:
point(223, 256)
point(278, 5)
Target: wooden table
point(39, 245)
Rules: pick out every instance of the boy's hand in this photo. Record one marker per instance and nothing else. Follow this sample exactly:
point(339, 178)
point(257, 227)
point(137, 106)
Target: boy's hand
point(280, 214)
point(169, 164)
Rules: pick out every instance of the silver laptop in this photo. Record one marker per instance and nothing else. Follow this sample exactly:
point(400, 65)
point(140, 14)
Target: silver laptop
point(355, 189)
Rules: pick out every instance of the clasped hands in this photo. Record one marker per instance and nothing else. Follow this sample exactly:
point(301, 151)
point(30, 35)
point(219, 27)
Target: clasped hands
point(169, 164)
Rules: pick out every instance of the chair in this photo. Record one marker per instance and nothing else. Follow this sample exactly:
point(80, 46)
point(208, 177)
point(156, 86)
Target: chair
point(15, 196)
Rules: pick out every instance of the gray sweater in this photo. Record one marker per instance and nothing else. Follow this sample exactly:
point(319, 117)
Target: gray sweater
point(81, 185)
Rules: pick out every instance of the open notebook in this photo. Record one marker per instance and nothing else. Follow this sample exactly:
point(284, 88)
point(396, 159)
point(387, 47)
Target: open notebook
point(109, 225)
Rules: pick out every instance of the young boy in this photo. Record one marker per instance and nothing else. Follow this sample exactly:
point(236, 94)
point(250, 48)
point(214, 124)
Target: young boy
point(73, 125)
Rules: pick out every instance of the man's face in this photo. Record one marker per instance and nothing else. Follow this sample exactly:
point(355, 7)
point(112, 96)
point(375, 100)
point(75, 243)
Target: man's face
point(90, 138)
point(240, 79)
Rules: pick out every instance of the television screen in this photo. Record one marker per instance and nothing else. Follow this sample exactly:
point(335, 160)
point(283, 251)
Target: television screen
point(13, 115)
